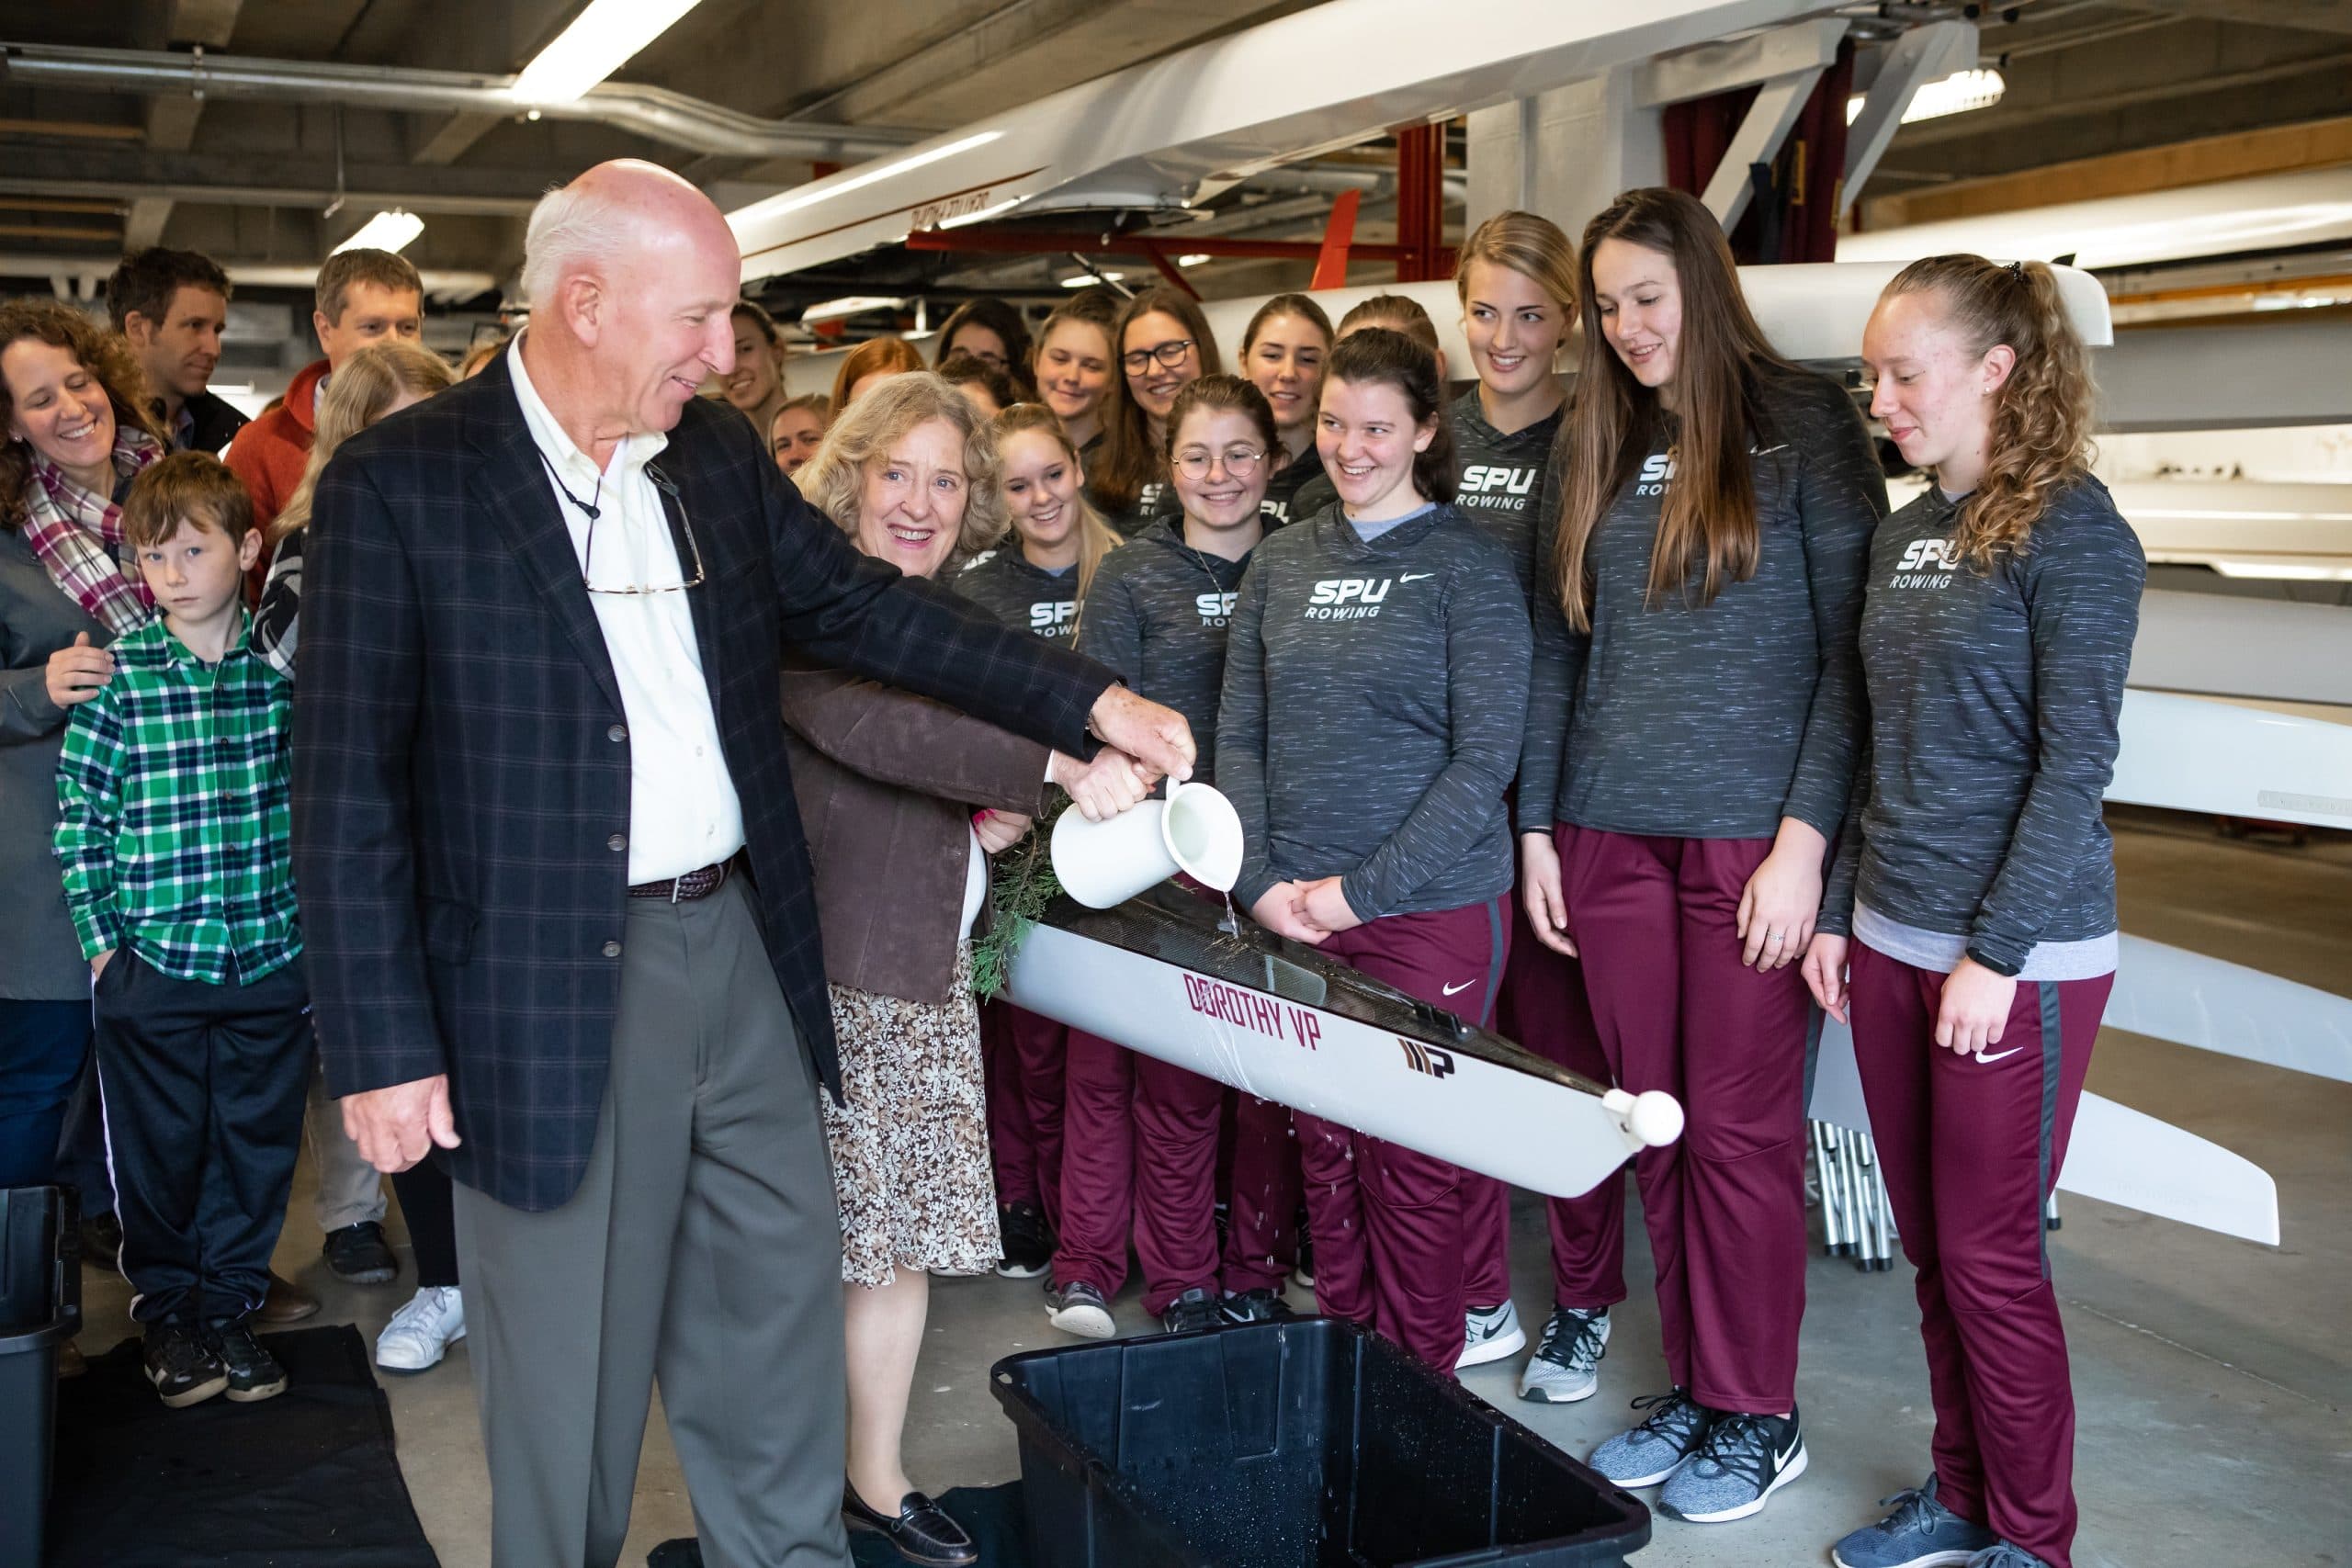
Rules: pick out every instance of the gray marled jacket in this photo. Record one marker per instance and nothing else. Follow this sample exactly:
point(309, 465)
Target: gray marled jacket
point(1993, 701)
point(1373, 698)
point(1715, 722)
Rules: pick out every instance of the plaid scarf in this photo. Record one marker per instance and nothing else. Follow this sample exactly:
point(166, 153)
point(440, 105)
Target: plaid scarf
point(78, 536)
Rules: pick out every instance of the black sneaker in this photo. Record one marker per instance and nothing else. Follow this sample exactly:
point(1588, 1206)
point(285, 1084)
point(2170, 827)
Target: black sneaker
point(181, 1365)
point(1303, 1271)
point(1196, 1308)
point(254, 1372)
point(358, 1254)
point(1261, 1306)
point(1734, 1471)
point(1026, 1240)
point(102, 1241)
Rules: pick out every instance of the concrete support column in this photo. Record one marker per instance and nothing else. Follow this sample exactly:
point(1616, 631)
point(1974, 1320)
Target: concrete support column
point(1564, 153)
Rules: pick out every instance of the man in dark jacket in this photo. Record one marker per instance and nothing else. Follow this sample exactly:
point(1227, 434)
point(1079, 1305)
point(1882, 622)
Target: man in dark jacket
point(559, 906)
point(172, 306)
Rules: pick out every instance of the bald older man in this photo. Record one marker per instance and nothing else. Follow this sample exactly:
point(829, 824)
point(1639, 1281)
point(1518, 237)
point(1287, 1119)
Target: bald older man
point(557, 898)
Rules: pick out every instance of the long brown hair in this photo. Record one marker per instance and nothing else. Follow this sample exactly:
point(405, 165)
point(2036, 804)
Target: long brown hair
point(2042, 416)
point(369, 382)
point(1096, 539)
point(1613, 421)
point(103, 353)
point(1131, 459)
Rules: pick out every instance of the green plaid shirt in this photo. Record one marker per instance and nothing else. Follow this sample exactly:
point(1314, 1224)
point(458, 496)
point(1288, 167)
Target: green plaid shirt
point(174, 813)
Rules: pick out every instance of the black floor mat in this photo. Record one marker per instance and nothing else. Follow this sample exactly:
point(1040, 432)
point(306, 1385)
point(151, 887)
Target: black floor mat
point(306, 1480)
point(992, 1515)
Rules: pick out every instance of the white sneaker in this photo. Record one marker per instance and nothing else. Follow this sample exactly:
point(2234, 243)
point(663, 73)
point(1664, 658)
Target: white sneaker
point(1490, 1336)
point(421, 1332)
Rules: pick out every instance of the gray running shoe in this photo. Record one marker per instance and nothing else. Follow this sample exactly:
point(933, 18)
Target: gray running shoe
point(1744, 1461)
point(1920, 1533)
point(1492, 1335)
point(1672, 1431)
point(1079, 1308)
point(1565, 1366)
point(2001, 1555)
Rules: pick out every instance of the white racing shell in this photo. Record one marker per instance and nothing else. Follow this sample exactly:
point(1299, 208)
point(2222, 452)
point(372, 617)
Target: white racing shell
point(1457, 1094)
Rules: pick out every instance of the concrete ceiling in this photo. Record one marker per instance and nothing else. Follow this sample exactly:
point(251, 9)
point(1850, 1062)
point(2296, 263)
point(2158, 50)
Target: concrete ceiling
point(84, 173)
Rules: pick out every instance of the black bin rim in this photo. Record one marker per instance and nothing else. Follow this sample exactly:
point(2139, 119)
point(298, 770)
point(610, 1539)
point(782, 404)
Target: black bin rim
point(1029, 1416)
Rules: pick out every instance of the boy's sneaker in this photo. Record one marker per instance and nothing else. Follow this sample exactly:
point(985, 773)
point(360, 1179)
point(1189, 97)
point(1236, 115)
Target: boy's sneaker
point(181, 1365)
point(254, 1372)
point(1026, 1239)
point(1920, 1533)
point(1194, 1309)
point(421, 1332)
point(1565, 1366)
point(358, 1255)
point(1743, 1462)
point(2001, 1554)
point(1490, 1333)
point(1645, 1455)
point(1079, 1308)
point(1261, 1306)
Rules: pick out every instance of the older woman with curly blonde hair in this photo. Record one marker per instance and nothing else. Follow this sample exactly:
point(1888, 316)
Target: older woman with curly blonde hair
point(903, 799)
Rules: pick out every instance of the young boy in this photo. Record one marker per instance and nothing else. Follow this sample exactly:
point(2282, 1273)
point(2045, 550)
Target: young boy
point(172, 833)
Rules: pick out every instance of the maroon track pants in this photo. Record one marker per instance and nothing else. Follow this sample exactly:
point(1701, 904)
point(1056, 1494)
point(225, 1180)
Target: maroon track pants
point(1022, 1057)
point(1388, 1222)
point(1657, 921)
point(1543, 1008)
point(1261, 1240)
point(1970, 1147)
point(1098, 1185)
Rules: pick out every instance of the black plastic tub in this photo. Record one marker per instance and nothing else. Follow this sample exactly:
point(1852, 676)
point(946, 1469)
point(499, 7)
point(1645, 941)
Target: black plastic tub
point(1310, 1444)
point(40, 1309)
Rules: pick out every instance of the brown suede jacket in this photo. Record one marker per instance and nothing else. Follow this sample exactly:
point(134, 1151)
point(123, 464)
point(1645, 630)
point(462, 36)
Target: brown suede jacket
point(888, 782)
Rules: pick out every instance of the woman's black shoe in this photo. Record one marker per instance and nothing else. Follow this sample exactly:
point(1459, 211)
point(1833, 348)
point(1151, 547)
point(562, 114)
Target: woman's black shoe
point(920, 1533)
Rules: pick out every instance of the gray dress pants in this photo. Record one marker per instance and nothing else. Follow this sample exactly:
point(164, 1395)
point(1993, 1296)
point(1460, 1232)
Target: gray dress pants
point(703, 1248)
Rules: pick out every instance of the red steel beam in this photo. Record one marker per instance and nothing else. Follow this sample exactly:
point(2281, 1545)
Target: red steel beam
point(1038, 241)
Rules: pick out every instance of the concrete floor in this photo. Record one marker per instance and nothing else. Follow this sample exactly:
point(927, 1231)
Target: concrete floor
point(2213, 1377)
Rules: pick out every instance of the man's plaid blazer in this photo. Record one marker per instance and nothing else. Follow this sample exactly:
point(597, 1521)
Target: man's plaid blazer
point(462, 762)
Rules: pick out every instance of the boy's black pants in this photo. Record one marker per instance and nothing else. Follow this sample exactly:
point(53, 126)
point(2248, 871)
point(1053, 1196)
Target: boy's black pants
point(202, 1087)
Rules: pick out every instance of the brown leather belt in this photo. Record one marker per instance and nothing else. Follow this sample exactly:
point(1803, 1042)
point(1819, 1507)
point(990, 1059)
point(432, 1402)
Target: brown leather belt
point(698, 884)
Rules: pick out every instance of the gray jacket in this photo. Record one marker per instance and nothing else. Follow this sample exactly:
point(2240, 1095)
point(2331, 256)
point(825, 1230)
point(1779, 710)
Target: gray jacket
point(39, 959)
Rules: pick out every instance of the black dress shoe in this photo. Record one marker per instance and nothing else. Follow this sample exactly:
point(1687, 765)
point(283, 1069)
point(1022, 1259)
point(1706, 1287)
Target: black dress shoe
point(360, 1253)
point(921, 1533)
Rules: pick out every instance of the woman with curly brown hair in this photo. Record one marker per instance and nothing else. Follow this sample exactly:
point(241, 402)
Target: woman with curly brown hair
point(76, 433)
point(1974, 894)
point(903, 799)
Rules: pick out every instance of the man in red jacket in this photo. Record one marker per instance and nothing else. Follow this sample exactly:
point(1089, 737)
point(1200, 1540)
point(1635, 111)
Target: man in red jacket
point(363, 296)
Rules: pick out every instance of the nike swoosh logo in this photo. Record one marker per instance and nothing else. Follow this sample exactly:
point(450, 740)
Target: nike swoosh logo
point(1415, 576)
point(1780, 1460)
point(1466, 985)
point(1990, 1056)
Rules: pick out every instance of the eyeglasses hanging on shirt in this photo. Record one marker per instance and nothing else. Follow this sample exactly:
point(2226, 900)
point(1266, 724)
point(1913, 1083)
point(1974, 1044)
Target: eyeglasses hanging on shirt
point(592, 509)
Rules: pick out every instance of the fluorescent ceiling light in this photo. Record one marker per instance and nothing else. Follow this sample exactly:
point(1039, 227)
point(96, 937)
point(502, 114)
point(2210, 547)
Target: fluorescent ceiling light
point(386, 231)
point(597, 43)
point(1196, 259)
point(1955, 93)
point(831, 185)
point(1085, 279)
point(850, 304)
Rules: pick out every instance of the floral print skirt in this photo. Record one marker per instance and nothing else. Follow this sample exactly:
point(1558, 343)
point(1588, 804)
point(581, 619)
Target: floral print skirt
point(910, 1143)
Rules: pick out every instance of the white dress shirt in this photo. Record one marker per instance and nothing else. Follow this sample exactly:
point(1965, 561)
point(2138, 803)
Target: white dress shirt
point(684, 812)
